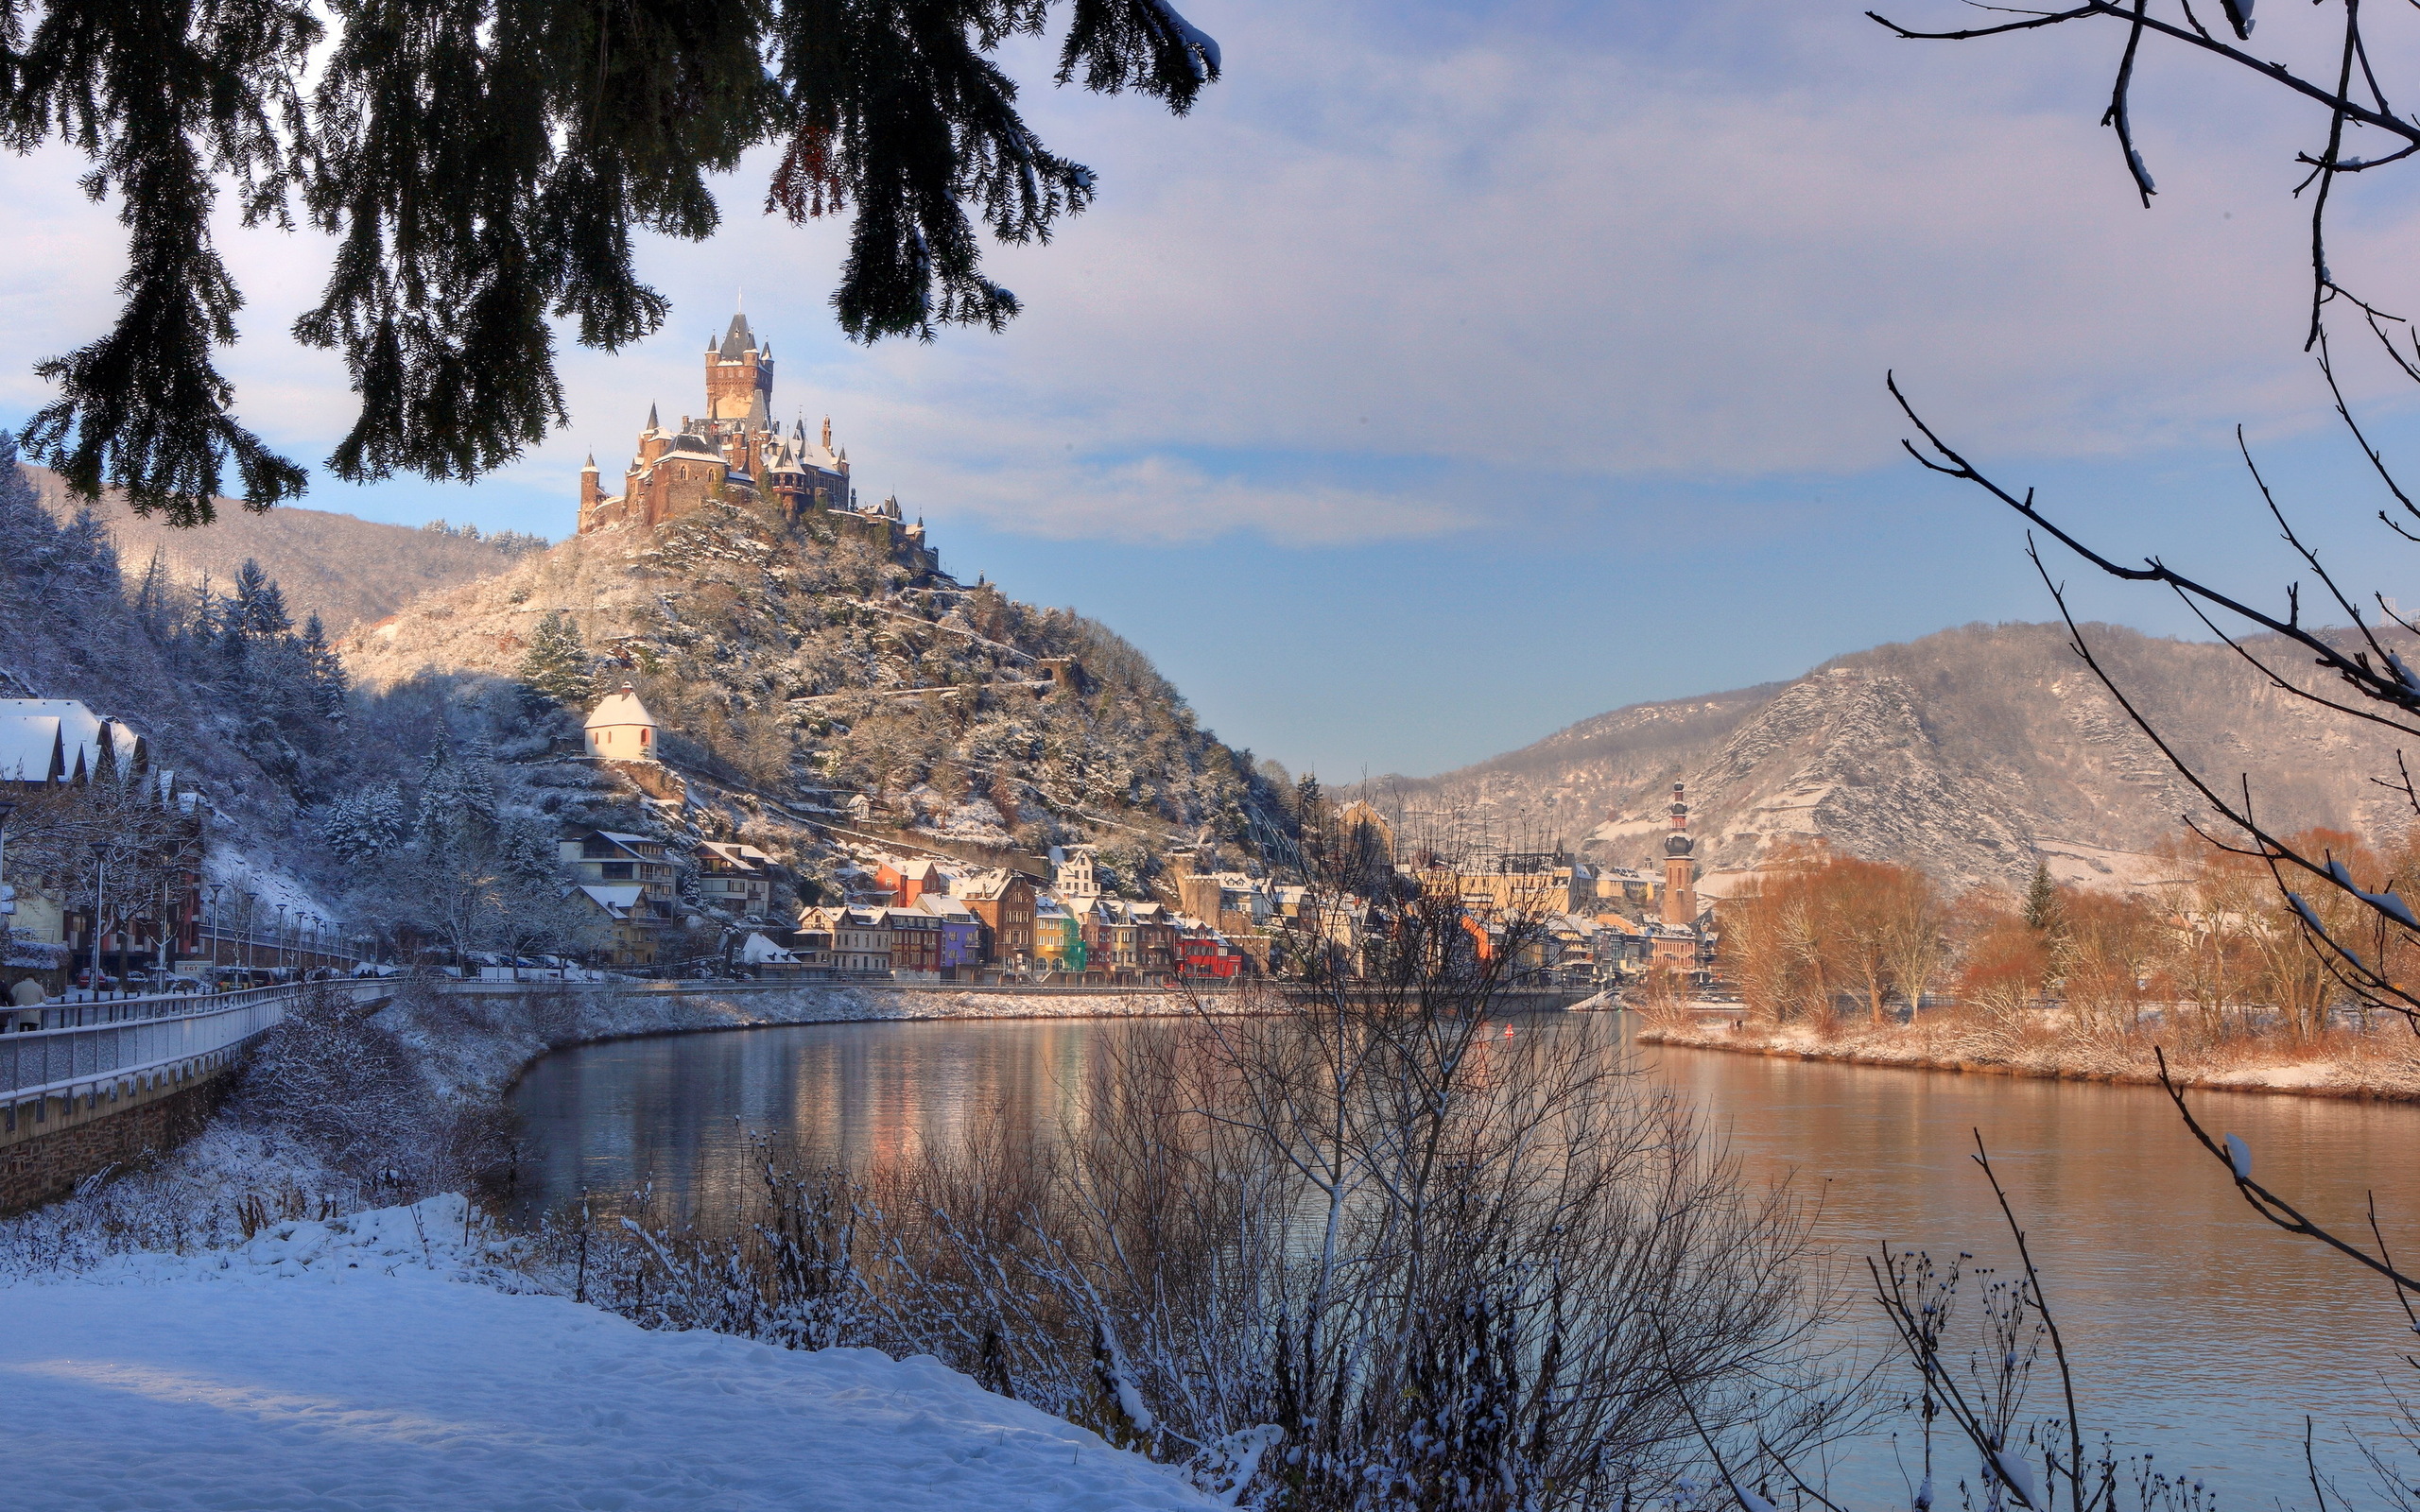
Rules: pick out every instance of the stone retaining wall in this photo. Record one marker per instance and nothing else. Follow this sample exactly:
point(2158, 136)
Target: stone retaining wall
point(45, 1152)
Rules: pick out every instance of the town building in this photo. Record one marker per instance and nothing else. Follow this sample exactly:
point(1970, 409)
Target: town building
point(908, 881)
point(1529, 885)
point(1004, 902)
point(1074, 878)
point(915, 944)
point(860, 939)
point(58, 751)
point(1058, 937)
point(736, 454)
point(1206, 957)
point(629, 881)
point(961, 937)
point(734, 878)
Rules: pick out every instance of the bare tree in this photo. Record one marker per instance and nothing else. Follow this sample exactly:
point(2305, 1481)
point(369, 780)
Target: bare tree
point(2355, 925)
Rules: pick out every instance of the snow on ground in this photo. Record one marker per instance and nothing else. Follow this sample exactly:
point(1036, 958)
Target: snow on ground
point(358, 1365)
point(2382, 1063)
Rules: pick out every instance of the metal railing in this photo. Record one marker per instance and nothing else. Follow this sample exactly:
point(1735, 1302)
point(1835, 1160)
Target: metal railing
point(98, 1046)
point(90, 1011)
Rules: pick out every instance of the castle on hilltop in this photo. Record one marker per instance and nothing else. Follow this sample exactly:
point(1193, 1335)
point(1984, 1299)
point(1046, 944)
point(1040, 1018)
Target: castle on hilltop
point(735, 454)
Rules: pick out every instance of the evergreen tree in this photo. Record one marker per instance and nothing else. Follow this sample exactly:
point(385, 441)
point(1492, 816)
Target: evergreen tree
point(19, 506)
point(557, 664)
point(208, 612)
point(260, 604)
point(2042, 900)
point(152, 604)
point(485, 167)
point(364, 826)
point(456, 796)
point(324, 670)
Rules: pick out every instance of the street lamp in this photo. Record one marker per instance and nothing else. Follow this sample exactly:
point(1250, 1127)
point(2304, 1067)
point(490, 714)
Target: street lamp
point(214, 888)
point(7, 898)
point(101, 909)
point(277, 947)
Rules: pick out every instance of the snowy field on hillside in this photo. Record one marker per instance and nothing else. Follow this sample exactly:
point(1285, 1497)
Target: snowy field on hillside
point(381, 1361)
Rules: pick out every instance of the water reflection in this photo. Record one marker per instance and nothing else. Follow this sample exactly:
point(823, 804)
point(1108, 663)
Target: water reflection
point(2202, 1332)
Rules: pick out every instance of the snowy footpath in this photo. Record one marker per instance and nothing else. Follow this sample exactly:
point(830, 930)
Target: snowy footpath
point(382, 1361)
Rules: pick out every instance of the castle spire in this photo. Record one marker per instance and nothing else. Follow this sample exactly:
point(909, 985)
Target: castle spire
point(591, 463)
point(653, 423)
point(737, 342)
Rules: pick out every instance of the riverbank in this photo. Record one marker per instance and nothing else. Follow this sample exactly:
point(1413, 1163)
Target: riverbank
point(408, 1101)
point(479, 1044)
point(402, 1359)
point(2382, 1065)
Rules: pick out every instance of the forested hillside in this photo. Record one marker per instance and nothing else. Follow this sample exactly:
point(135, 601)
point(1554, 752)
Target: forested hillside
point(244, 703)
point(342, 569)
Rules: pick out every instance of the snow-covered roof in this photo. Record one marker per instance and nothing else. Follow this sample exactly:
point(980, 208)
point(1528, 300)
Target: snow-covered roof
point(746, 856)
point(736, 339)
point(690, 446)
point(33, 728)
point(620, 900)
point(621, 708)
point(758, 950)
point(30, 749)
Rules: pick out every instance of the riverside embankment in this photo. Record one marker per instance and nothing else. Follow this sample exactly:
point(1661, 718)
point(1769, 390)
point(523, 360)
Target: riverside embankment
point(478, 1042)
point(2382, 1064)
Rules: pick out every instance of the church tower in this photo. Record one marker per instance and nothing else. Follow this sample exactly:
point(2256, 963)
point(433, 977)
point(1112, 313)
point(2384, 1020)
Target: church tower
point(1679, 867)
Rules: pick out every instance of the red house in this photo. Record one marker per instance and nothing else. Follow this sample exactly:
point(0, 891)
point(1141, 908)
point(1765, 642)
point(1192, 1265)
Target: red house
point(1208, 956)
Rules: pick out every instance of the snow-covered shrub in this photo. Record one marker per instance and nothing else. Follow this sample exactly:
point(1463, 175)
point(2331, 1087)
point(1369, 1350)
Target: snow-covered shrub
point(1364, 1256)
point(337, 1081)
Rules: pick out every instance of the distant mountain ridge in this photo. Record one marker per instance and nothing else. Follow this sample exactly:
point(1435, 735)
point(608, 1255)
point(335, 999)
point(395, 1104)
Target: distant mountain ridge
point(345, 570)
point(1971, 752)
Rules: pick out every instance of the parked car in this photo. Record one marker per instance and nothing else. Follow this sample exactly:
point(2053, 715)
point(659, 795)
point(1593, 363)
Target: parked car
point(180, 984)
point(85, 979)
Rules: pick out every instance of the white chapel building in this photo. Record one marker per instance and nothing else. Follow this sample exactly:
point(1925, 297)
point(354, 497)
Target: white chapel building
point(621, 730)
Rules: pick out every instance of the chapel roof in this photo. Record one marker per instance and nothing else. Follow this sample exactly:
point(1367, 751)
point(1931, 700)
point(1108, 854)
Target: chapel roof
point(622, 708)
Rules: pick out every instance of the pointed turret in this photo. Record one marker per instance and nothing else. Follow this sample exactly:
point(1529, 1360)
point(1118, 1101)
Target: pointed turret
point(739, 341)
point(653, 424)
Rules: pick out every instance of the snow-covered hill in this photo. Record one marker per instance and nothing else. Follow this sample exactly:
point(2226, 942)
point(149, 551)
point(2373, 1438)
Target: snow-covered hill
point(1972, 752)
point(794, 662)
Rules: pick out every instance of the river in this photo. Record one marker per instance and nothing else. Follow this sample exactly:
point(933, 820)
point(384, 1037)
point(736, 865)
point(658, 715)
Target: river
point(2202, 1335)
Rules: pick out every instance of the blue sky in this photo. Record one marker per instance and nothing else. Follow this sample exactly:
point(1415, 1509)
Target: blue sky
point(1458, 371)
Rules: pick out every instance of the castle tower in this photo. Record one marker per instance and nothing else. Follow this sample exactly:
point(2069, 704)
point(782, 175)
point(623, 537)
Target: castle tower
point(1679, 867)
point(592, 492)
point(739, 377)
